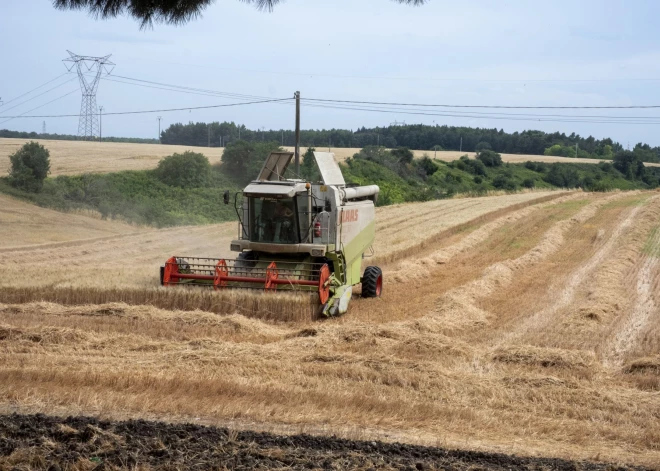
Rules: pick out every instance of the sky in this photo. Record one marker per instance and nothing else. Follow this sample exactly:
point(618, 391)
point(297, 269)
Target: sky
point(472, 52)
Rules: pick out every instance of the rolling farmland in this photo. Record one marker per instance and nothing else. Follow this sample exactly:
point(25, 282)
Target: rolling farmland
point(526, 323)
point(75, 157)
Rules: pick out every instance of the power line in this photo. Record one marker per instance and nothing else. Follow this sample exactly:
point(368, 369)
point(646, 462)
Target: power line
point(205, 92)
point(40, 106)
point(193, 89)
point(36, 88)
point(486, 114)
point(480, 116)
point(37, 96)
point(155, 111)
point(422, 78)
point(217, 95)
point(482, 106)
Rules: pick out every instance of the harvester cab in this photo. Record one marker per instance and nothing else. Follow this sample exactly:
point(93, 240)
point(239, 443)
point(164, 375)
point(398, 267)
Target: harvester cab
point(294, 235)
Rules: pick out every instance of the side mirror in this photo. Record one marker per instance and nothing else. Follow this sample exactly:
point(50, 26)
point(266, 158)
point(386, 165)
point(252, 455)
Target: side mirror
point(225, 197)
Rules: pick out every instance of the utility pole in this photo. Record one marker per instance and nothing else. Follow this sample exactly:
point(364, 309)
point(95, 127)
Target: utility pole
point(43, 127)
point(239, 132)
point(159, 118)
point(208, 126)
point(282, 137)
point(100, 124)
point(576, 154)
point(297, 148)
point(377, 140)
point(460, 149)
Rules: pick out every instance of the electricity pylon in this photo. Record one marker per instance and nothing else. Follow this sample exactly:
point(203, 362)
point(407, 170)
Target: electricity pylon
point(89, 71)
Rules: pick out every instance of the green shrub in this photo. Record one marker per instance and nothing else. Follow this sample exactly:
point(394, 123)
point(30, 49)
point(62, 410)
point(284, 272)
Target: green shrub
point(490, 158)
point(30, 166)
point(503, 183)
point(426, 166)
point(601, 186)
point(563, 176)
point(478, 180)
point(403, 155)
point(187, 170)
point(529, 183)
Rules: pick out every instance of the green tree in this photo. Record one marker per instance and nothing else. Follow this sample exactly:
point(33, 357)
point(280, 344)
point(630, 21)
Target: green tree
point(373, 153)
point(309, 170)
point(426, 166)
point(629, 164)
point(30, 165)
point(258, 156)
point(645, 153)
point(243, 160)
point(563, 176)
point(187, 170)
point(403, 155)
point(483, 145)
point(236, 159)
point(490, 158)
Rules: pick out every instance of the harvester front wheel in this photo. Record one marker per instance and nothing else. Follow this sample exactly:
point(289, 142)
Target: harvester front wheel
point(372, 282)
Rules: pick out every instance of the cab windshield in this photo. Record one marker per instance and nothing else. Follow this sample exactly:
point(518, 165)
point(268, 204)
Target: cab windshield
point(274, 220)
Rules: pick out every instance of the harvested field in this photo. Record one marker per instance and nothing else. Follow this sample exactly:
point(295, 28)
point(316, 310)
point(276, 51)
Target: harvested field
point(23, 224)
point(131, 259)
point(75, 157)
point(524, 324)
point(84, 443)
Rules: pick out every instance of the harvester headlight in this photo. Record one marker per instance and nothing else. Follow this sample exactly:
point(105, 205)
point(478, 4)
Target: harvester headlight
point(317, 252)
point(235, 247)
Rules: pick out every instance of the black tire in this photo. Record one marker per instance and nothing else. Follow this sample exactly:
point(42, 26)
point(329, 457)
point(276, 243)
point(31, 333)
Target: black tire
point(372, 282)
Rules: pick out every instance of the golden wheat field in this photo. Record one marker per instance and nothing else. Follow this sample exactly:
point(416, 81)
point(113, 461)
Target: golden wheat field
point(525, 323)
point(75, 157)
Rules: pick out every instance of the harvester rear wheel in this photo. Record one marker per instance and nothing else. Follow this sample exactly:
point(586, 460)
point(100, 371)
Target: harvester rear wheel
point(372, 282)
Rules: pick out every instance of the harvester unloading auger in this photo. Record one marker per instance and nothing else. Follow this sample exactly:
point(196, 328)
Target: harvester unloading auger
point(294, 236)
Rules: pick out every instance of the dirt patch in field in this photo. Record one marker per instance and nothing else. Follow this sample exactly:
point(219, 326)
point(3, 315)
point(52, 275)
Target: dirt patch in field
point(39, 442)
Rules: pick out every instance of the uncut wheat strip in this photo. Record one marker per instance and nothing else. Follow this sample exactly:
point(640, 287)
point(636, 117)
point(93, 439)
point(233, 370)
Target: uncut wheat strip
point(645, 308)
point(418, 268)
point(463, 300)
point(159, 323)
point(272, 306)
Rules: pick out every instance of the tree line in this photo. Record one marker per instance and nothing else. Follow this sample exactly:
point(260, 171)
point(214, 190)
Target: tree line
point(70, 137)
point(417, 136)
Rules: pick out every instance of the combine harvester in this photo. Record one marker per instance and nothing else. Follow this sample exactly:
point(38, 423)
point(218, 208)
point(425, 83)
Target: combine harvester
point(294, 236)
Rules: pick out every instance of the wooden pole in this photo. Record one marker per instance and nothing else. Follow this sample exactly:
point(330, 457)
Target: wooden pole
point(297, 151)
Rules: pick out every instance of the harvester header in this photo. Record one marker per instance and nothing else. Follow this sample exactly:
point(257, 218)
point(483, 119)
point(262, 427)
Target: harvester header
point(294, 235)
